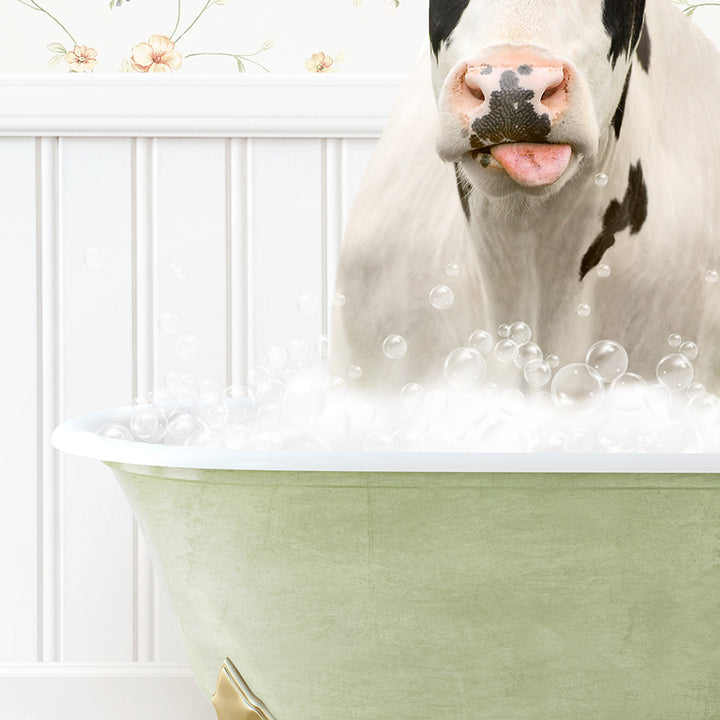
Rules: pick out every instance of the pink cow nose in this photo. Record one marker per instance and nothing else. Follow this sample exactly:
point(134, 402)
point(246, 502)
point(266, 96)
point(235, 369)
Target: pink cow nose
point(518, 96)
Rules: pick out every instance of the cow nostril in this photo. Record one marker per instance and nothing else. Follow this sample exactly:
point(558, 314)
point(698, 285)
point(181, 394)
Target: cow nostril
point(549, 92)
point(477, 93)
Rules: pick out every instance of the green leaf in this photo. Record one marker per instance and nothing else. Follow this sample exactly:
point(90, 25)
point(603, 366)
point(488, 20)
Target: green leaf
point(240, 64)
point(268, 44)
point(56, 48)
point(54, 60)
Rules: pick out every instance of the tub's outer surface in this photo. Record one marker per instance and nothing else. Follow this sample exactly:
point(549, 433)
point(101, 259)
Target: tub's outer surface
point(368, 596)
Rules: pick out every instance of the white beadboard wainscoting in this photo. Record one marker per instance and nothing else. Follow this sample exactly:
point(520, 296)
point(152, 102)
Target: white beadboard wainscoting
point(240, 186)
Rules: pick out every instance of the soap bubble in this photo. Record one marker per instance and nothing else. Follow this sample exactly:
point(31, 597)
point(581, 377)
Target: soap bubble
point(308, 304)
point(173, 380)
point(147, 424)
point(188, 346)
point(674, 371)
point(583, 310)
point(603, 270)
point(177, 270)
point(506, 350)
point(336, 387)
point(658, 398)
point(412, 395)
point(394, 347)
point(612, 436)
point(321, 346)
point(601, 179)
point(338, 300)
point(206, 439)
point(275, 359)
point(695, 389)
point(512, 402)
point(576, 388)
point(689, 350)
point(298, 351)
point(355, 372)
point(674, 340)
point(452, 269)
point(168, 323)
point(503, 330)
point(94, 258)
point(552, 360)
point(628, 392)
point(481, 341)
point(608, 359)
point(527, 352)
point(259, 379)
point(378, 441)
point(537, 373)
point(441, 297)
point(520, 333)
point(704, 409)
point(465, 368)
point(116, 431)
point(179, 426)
point(711, 276)
point(268, 414)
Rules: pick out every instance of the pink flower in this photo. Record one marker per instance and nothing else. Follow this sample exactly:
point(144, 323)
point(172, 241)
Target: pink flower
point(81, 58)
point(158, 54)
point(319, 62)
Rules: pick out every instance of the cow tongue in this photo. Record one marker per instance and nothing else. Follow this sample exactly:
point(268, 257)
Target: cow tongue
point(533, 164)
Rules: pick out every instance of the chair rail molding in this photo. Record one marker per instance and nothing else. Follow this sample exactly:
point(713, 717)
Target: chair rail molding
point(74, 105)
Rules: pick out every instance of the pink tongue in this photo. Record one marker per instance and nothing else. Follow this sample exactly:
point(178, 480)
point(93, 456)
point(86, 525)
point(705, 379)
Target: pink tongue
point(533, 164)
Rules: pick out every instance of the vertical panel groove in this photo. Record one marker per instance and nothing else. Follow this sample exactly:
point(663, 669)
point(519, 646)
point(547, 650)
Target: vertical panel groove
point(50, 402)
point(143, 264)
point(248, 296)
point(334, 153)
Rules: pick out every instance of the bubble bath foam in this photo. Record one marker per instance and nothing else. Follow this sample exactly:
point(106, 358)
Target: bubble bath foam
point(405, 585)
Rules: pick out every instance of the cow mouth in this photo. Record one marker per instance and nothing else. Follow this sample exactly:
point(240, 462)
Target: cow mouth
point(529, 164)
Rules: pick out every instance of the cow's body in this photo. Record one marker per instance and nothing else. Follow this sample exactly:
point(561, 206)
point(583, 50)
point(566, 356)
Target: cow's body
point(656, 223)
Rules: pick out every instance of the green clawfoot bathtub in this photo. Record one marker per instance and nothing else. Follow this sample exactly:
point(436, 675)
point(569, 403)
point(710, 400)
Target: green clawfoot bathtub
point(405, 586)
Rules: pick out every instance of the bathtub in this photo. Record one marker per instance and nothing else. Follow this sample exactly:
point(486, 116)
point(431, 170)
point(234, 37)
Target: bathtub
point(339, 586)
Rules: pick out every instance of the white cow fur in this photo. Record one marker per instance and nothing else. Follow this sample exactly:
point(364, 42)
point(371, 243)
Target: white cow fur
point(520, 258)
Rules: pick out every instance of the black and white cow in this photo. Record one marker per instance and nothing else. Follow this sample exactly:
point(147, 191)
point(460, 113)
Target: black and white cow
point(496, 171)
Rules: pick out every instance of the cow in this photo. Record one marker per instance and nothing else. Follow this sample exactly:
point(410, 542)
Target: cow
point(563, 157)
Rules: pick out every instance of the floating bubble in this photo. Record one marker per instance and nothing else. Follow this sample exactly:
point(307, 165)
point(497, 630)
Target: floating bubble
point(116, 431)
point(627, 392)
point(206, 439)
point(520, 333)
point(321, 346)
point(452, 269)
point(308, 304)
point(179, 426)
point(552, 360)
point(188, 346)
point(275, 359)
point(576, 388)
point(704, 409)
point(608, 359)
point(503, 331)
point(168, 323)
point(658, 398)
point(441, 297)
point(601, 179)
point(537, 373)
point(259, 379)
point(527, 352)
point(603, 270)
point(465, 368)
point(689, 350)
point(481, 341)
point(506, 350)
point(583, 310)
point(674, 340)
point(695, 389)
point(338, 300)
point(336, 387)
point(298, 350)
point(94, 258)
point(675, 372)
point(355, 372)
point(147, 424)
point(394, 347)
point(711, 276)
point(412, 395)
point(268, 414)
point(511, 402)
point(177, 270)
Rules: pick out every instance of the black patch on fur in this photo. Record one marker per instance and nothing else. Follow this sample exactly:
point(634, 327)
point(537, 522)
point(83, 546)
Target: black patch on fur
point(524, 70)
point(444, 17)
point(623, 21)
point(643, 48)
point(464, 189)
point(620, 110)
point(511, 116)
point(631, 212)
point(486, 70)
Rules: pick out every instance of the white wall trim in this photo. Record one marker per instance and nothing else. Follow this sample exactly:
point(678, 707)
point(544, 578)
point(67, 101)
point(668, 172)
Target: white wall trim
point(196, 105)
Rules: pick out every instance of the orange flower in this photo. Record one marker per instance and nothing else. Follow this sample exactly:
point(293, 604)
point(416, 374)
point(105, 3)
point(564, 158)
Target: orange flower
point(81, 58)
point(319, 62)
point(158, 54)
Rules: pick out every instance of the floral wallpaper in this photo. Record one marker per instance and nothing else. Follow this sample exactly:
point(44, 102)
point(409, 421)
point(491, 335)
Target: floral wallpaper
point(149, 36)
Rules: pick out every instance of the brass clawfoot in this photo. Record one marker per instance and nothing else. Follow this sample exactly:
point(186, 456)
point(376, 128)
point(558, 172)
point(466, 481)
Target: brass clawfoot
point(233, 699)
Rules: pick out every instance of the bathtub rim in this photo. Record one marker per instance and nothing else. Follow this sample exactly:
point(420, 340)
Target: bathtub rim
point(77, 436)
